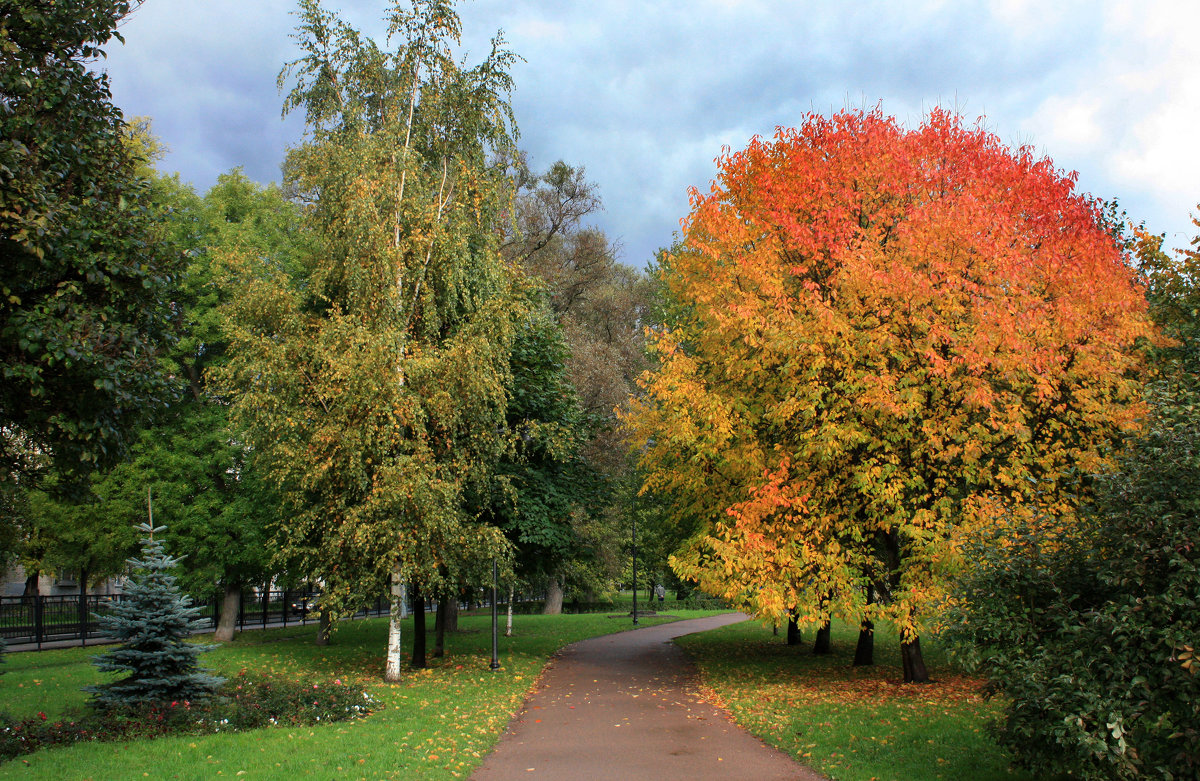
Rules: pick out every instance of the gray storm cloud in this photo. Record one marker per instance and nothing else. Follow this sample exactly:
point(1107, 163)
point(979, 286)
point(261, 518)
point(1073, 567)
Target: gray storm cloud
point(645, 94)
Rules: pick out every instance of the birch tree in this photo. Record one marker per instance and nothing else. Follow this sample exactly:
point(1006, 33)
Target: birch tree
point(373, 387)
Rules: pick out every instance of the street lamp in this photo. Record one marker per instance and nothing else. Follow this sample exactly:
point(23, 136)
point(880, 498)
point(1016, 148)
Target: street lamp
point(495, 665)
point(633, 520)
point(633, 494)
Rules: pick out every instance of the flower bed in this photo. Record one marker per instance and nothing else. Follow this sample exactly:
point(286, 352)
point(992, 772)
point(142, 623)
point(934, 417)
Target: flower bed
point(242, 704)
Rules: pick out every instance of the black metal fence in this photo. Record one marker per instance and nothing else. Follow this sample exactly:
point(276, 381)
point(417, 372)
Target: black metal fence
point(37, 620)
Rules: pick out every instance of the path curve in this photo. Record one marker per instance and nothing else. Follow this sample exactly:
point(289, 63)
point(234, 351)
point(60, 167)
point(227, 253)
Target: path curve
point(626, 706)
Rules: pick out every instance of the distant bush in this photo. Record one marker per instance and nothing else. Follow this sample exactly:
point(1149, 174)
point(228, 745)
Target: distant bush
point(536, 606)
point(590, 607)
point(242, 704)
point(700, 601)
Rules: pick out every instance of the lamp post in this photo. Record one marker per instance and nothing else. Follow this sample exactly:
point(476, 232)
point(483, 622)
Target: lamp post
point(495, 665)
point(633, 520)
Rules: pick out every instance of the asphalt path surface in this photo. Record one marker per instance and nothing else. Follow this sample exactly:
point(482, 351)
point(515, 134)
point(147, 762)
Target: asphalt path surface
point(627, 706)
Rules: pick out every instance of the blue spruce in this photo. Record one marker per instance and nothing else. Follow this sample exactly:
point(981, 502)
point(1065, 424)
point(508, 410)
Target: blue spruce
point(153, 622)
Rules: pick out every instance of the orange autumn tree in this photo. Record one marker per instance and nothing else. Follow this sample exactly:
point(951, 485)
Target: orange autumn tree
point(881, 339)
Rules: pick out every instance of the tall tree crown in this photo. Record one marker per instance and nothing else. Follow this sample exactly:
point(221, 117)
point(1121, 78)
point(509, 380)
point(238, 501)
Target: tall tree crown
point(401, 164)
point(375, 388)
point(85, 270)
point(883, 335)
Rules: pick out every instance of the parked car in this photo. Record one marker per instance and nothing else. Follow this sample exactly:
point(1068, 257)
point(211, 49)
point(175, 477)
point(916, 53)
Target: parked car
point(305, 604)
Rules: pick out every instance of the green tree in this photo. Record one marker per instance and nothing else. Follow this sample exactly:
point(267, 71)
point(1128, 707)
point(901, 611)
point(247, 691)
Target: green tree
point(202, 479)
point(600, 305)
point(79, 534)
point(153, 623)
point(86, 273)
point(374, 390)
point(197, 465)
point(1091, 633)
point(202, 474)
point(545, 494)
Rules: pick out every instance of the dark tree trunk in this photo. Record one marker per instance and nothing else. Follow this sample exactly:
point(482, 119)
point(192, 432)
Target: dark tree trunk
point(824, 644)
point(910, 653)
point(793, 632)
point(324, 627)
point(229, 611)
point(32, 587)
point(439, 628)
point(452, 612)
point(914, 663)
point(418, 656)
point(864, 652)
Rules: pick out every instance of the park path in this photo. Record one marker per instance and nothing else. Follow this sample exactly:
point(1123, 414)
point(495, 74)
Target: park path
point(626, 706)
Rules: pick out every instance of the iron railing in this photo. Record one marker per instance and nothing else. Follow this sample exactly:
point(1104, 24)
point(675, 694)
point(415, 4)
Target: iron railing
point(38, 620)
point(35, 621)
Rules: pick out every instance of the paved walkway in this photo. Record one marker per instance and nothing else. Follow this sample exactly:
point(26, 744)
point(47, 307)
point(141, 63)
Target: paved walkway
point(626, 707)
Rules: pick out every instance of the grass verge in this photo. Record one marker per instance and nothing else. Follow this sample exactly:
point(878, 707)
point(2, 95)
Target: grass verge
point(852, 724)
point(438, 723)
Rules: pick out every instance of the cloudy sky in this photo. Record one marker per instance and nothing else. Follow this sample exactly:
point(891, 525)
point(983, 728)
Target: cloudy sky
point(645, 94)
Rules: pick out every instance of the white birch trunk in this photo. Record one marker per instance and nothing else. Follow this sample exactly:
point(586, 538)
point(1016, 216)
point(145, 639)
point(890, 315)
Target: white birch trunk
point(392, 672)
point(508, 626)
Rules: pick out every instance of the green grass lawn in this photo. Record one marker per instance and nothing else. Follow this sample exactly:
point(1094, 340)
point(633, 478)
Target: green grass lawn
point(852, 724)
point(436, 724)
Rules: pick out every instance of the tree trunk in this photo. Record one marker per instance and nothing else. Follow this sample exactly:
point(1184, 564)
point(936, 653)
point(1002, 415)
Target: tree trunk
point(864, 652)
point(914, 663)
point(793, 631)
point(823, 644)
point(396, 611)
point(324, 627)
point(452, 613)
point(32, 586)
point(229, 610)
point(418, 655)
point(508, 626)
point(439, 627)
point(554, 597)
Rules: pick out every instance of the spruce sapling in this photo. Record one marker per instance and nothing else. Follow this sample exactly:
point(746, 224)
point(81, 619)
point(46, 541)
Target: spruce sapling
point(153, 622)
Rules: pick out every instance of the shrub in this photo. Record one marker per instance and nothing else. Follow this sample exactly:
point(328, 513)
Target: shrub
point(698, 600)
point(1091, 633)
